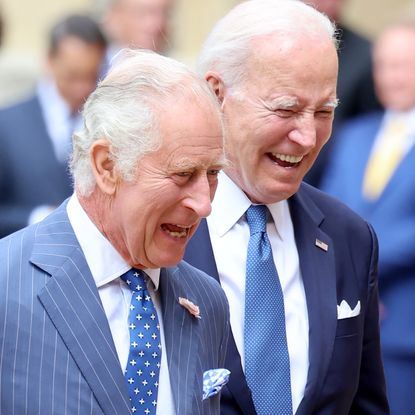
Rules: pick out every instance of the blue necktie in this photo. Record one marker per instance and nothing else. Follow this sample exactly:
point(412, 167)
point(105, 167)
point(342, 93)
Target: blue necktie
point(267, 364)
point(143, 366)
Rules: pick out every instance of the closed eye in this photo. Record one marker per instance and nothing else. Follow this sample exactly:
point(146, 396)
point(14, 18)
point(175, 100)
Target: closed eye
point(327, 113)
point(284, 113)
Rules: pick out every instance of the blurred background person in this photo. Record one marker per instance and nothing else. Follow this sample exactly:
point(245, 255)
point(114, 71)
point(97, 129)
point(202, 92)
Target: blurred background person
point(137, 24)
point(355, 82)
point(35, 135)
point(372, 170)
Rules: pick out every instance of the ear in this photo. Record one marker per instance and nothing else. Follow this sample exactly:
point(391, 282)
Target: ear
point(103, 167)
point(217, 85)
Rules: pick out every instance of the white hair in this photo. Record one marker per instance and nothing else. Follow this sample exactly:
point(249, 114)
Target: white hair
point(228, 45)
point(126, 109)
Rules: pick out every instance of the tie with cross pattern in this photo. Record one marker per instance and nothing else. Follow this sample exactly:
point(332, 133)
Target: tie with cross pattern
point(143, 365)
point(267, 364)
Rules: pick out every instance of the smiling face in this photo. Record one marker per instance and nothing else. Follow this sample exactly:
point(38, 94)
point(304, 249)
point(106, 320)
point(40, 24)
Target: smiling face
point(151, 219)
point(277, 121)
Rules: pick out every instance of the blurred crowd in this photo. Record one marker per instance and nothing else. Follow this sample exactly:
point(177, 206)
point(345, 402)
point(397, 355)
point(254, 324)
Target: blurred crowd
point(368, 163)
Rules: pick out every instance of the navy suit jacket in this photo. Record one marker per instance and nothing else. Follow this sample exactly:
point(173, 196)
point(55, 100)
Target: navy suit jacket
point(393, 218)
point(345, 374)
point(30, 174)
point(57, 354)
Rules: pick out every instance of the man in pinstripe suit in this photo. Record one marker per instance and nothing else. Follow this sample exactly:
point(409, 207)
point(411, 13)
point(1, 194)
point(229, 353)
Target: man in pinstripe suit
point(143, 181)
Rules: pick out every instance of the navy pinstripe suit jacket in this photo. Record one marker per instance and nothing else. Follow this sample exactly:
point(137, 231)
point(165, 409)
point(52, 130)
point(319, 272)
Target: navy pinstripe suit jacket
point(57, 355)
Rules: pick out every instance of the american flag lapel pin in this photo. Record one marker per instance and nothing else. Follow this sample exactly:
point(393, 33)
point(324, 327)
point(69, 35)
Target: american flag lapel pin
point(322, 245)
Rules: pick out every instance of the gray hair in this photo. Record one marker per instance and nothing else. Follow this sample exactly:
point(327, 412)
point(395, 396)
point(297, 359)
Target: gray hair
point(126, 109)
point(228, 47)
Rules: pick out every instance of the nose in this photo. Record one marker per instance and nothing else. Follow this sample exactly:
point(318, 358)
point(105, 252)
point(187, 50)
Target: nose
point(304, 132)
point(199, 198)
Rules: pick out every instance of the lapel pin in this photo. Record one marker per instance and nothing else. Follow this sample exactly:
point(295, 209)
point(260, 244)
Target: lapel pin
point(192, 308)
point(322, 245)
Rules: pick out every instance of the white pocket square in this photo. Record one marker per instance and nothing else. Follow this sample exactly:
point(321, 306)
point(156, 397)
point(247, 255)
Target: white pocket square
point(345, 311)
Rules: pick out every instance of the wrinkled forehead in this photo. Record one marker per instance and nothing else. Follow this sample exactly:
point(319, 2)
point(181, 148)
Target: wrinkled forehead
point(273, 51)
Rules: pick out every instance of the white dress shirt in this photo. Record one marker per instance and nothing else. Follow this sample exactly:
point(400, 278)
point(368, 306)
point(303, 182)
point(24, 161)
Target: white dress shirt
point(60, 125)
point(60, 122)
point(409, 117)
point(229, 232)
point(106, 266)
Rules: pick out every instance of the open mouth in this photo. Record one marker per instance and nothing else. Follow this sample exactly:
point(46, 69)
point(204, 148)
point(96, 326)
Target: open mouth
point(176, 231)
point(285, 160)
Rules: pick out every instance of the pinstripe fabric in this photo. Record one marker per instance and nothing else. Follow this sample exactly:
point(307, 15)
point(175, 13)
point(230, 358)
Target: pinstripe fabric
point(193, 345)
point(57, 355)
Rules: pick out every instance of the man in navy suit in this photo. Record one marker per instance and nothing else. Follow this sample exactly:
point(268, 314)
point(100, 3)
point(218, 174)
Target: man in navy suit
point(145, 167)
point(273, 67)
point(35, 135)
point(383, 193)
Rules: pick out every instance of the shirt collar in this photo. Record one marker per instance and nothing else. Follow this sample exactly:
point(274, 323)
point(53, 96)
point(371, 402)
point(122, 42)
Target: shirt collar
point(51, 101)
point(104, 261)
point(231, 203)
point(408, 115)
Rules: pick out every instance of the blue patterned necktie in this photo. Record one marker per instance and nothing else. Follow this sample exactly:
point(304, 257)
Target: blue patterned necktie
point(267, 364)
point(143, 366)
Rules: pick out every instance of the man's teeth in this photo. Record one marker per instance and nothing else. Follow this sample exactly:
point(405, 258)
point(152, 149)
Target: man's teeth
point(288, 158)
point(178, 234)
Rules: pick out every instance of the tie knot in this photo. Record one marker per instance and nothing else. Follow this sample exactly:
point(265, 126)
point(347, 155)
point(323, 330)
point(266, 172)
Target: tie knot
point(396, 127)
point(256, 216)
point(135, 279)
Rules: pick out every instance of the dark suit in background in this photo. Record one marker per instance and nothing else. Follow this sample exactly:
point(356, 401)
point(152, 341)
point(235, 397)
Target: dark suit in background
point(372, 171)
point(393, 217)
point(30, 174)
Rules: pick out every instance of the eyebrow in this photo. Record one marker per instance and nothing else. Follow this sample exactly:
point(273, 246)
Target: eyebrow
point(190, 164)
point(334, 103)
point(284, 101)
point(290, 102)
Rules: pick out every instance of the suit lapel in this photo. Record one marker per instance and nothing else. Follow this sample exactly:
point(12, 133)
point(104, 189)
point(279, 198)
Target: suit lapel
point(319, 276)
point(181, 333)
point(71, 300)
point(200, 253)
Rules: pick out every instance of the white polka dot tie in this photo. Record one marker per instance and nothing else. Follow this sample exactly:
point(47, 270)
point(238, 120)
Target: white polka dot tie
point(143, 366)
point(267, 364)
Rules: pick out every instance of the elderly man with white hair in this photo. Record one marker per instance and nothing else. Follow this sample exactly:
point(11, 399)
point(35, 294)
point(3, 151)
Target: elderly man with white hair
point(298, 267)
point(98, 314)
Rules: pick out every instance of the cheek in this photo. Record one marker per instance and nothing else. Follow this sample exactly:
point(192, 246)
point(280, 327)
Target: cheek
point(323, 133)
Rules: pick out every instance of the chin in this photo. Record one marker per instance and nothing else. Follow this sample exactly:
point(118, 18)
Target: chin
point(170, 261)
